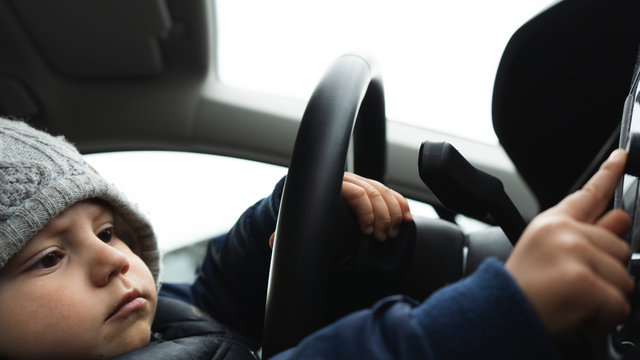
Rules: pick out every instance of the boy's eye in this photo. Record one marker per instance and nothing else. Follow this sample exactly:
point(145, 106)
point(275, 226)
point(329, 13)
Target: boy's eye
point(105, 235)
point(49, 260)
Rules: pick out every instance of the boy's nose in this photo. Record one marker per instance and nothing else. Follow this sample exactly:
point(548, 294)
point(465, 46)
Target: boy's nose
point(106, 263)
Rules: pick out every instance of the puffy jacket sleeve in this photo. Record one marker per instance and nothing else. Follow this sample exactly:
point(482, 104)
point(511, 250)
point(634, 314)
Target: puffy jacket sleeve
point(485, 316)
point(231, 283)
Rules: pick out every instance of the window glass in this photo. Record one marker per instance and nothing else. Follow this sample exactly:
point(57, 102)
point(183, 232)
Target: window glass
point(437, 58)
point(195, 198)
point(200, 195)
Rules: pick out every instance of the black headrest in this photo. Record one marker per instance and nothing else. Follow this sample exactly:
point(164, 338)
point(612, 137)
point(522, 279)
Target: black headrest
point(560, 89)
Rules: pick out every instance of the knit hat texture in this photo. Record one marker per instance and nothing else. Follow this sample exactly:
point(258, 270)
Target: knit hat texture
point(41, 176)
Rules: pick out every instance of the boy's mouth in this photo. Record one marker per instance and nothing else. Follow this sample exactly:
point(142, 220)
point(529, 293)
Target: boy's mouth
point(130, 302)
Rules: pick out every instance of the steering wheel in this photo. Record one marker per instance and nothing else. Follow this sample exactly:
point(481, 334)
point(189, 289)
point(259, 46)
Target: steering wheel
point(349, 100)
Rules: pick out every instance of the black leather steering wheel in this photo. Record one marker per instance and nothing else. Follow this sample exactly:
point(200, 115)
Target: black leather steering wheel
point(348, 100)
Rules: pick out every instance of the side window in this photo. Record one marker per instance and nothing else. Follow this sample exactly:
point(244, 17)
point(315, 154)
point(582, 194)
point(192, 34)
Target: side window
point(195, 198)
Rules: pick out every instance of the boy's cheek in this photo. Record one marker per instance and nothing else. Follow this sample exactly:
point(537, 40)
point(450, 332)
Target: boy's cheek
point(33, 314)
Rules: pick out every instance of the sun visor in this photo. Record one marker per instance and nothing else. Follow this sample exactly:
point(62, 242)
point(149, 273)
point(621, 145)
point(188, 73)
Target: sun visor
point(93, 39)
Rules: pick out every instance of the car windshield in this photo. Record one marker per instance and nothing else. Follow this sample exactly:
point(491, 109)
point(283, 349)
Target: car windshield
point(438, 59)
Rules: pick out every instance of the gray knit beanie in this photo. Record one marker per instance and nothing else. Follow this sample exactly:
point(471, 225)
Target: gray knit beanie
point(42, 175)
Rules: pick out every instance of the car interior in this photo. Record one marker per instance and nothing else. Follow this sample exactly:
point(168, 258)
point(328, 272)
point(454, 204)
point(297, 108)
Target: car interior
point(130, 75)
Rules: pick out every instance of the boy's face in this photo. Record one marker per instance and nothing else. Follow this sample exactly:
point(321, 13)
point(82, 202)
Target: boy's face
point(75, 291)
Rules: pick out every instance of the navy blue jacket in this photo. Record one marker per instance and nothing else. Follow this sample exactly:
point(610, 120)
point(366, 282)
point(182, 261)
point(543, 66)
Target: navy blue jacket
point(484, 316)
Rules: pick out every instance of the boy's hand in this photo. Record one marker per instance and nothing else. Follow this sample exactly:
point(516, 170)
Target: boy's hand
point(378, 209)
point(570, 261)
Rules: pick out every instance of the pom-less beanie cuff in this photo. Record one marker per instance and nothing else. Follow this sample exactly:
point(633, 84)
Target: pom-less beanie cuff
point(41, 176)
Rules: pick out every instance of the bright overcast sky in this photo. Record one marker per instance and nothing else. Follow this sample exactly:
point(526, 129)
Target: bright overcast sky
point(437, 58)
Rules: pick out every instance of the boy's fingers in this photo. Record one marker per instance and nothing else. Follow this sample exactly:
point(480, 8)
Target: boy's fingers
point(404, 206)
point(610, 307)
point(396, 204)
point(387, 211)
point(389, 207)
point(613, 271)
point(588, 203)
point(271, 239)
point(357, 199)
point(609, 243)
point(616, 220)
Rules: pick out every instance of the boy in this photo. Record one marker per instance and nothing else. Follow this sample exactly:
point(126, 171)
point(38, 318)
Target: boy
point(78, 270)
point(78, 265)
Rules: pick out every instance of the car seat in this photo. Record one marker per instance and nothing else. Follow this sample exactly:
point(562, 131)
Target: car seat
point(560, 89)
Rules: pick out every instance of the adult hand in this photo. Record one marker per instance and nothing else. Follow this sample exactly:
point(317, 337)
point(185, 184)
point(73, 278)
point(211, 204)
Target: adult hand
point(570, 261)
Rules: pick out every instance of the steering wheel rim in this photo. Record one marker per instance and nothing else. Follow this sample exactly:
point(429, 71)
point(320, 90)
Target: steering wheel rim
point(349, 100)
